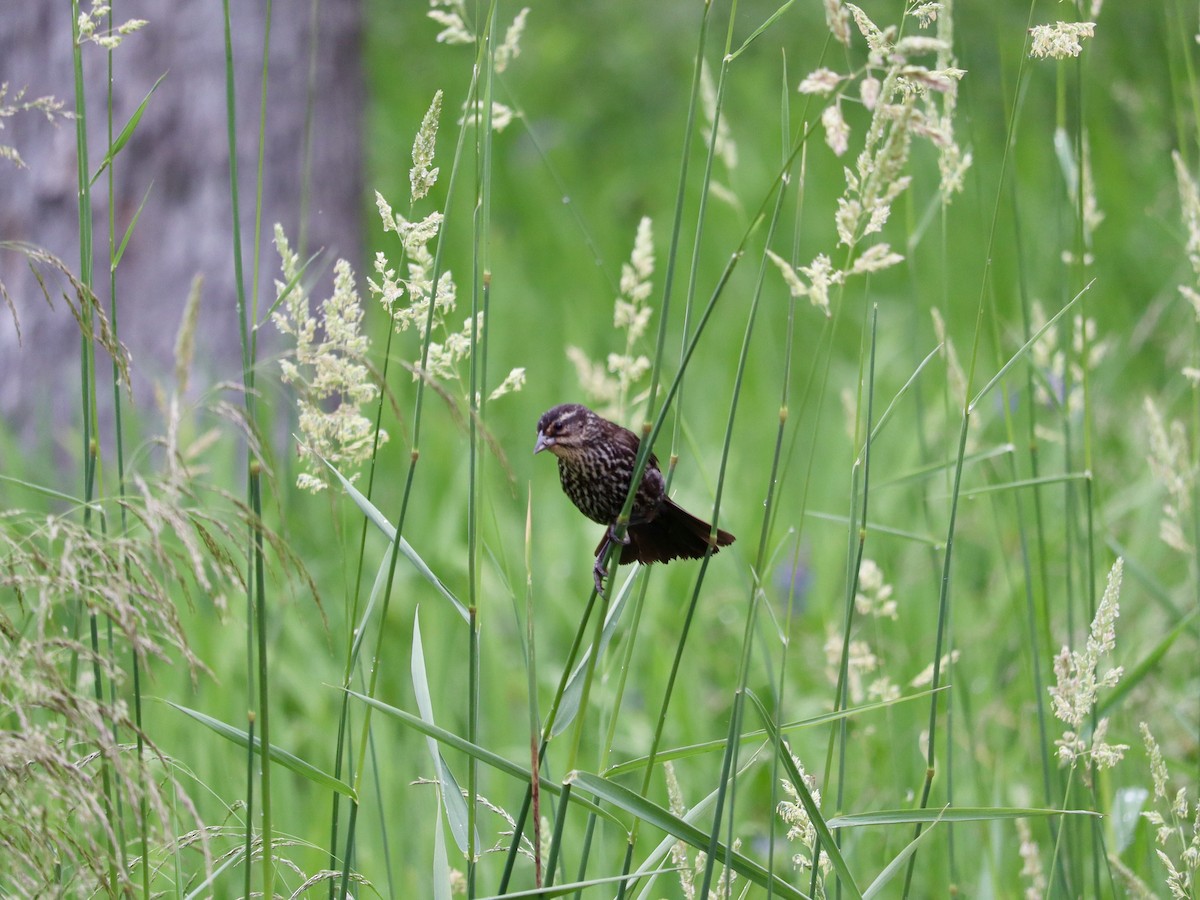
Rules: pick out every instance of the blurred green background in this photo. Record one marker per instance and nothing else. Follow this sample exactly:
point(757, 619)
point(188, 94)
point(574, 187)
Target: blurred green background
point(602, 90)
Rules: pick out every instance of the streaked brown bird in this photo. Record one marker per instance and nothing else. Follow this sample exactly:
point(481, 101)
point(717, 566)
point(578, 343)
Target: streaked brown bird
point(595, 465)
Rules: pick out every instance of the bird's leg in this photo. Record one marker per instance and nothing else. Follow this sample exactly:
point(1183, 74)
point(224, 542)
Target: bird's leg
point(612, 535)
point(599, 570)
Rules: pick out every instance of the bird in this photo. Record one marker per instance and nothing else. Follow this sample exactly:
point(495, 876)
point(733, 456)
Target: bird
point(595, 465)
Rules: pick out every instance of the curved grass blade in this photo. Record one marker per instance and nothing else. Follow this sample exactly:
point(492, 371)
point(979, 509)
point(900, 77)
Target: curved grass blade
point(891, 869)
point(655, 816)
point(972, 493)
point(761, 30)
point(508, 767)
point(887, 413)
point(1134, 674)
point(648, 868)
point(116, 260)
point(561, 890)
point(933, 470)
point(951, 814)
point(828, 846)
point(277, 755)
point(875, 528)
point(441, 863)
point(127, 132)
point(231, 859)
point(380, 521)
point(377, 587)
point(1012, 360)
point(573, 692)
point(452, 798)
point(719, 744)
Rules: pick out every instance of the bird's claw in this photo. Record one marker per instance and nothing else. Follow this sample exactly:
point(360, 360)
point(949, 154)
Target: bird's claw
point(599, 570)
point(623, 540)
point(598, 574)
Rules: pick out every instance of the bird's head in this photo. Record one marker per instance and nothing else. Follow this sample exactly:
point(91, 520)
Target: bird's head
point(566, 430)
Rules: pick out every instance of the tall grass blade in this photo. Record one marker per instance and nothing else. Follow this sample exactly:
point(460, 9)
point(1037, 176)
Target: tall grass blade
point(572, 695)
point(824, 834)
point(277, 754)
point(655, 816)
point(893, 868)
point(1016, 357)
point(389, 531)
point(451, 794)
point(122, 139)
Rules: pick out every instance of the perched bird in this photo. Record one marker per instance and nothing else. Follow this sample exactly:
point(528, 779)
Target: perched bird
point(595, 465)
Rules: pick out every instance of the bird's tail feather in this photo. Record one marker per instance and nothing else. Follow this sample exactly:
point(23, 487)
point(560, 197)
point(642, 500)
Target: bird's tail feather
point(673, 533)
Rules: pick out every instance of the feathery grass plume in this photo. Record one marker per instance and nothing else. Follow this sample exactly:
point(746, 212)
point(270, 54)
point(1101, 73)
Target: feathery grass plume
point(1171, 829)
point(821, 82)
point(1078, 175)
point(608, 387)
point(822, 276)
point(1171, 464)
point(90, 21)
point(941, 103)
point(66, 764)
point(1158, 767)
point(1189, 202)
point(445, 356)
point(171, 407)
point(874, 597)
point(688, 871)
point(837, 132)
point(63, 769)
point(955, 374)
point(513, 381)
point(1031, 862)
point(452, 16)
point(185, 337)
point(85, 307)
point(421, 176)
point(861, 661)
point(679, 849)
point(801, 831)
point(1060, 381)
point(1078, 680)
point(1135, 888)
point(889, 87)
point(724, 146)
point(329, 372)
point(502, 116)
point(457, 28)
point(837, 18)
point(48, 106)
point(878, 178)
point(925, 676)
point(1058, 40)
point(927, 13)
point(510, 47)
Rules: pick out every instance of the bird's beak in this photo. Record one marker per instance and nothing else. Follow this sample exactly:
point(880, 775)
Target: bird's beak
point(543, 443)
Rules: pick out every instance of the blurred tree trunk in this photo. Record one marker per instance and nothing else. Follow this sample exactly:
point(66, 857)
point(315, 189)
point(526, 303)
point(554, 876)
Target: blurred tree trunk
point(179, 153)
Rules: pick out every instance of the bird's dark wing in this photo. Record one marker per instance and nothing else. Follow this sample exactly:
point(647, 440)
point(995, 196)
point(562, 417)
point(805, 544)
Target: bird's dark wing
point(627, 438)
point(673, 534)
